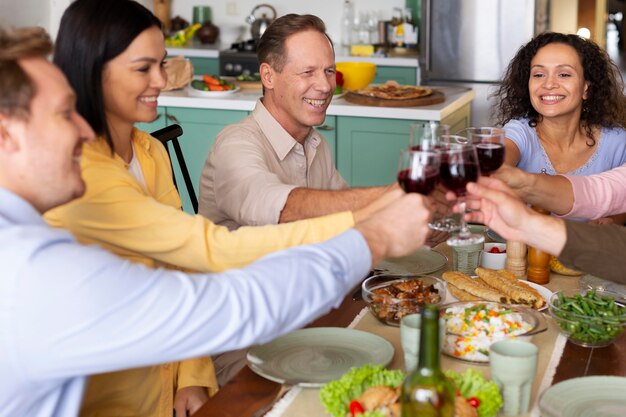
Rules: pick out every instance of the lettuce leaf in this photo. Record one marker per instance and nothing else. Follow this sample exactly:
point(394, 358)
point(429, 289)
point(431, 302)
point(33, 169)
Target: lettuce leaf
point(473, 384)
point(336, 395)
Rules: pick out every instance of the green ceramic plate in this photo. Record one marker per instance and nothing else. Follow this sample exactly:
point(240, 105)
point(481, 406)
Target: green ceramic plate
point(592, 396)
point(315, 356)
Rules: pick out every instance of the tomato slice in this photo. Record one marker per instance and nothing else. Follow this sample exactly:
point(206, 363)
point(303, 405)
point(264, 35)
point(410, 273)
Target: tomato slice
point(474, 402)
point(356, 408)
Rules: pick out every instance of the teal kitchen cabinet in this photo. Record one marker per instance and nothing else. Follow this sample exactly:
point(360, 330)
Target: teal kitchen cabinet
point(403, 75)
point(200, 127)
point(368, 148)
point(203, 66)
point(329, 130)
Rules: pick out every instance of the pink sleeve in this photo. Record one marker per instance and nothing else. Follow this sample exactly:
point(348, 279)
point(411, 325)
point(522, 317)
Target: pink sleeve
point(599, 195)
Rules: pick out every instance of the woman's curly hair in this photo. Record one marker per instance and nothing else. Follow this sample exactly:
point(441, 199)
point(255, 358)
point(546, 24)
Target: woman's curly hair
point(605, 105)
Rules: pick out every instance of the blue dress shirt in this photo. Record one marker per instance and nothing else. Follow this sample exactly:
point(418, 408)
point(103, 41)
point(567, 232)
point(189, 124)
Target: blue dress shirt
point(68, 311)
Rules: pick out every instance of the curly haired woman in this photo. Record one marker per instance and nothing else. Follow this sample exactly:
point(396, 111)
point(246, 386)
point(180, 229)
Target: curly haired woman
point(562, 107)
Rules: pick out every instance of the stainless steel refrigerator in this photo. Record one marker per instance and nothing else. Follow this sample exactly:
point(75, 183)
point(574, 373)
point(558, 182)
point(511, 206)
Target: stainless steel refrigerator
point(470, 43)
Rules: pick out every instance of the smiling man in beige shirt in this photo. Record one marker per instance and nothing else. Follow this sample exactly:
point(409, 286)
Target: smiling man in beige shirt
point(274, 167)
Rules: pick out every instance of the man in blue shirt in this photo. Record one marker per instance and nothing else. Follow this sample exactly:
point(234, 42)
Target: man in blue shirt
point(67, 311)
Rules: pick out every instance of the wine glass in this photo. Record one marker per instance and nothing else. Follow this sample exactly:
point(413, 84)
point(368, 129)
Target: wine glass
point(459, 165)
point(418, 171)
point(489, 143)
point(426, 135)
point(446, 142)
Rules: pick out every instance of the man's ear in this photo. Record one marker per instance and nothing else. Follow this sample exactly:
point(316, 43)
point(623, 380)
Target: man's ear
point(8, 140)
point(267, 75)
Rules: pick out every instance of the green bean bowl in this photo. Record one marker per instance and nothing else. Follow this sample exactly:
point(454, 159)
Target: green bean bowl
point(590, 318)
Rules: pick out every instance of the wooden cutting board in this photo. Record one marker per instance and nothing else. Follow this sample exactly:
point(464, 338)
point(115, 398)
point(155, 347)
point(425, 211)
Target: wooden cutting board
point(249, 85)
point(435, 98)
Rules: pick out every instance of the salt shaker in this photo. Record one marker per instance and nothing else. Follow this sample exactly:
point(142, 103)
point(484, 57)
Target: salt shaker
point(516, 258)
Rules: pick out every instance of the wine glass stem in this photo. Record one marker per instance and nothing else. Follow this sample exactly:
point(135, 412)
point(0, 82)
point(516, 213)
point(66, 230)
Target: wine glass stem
point(465, 231)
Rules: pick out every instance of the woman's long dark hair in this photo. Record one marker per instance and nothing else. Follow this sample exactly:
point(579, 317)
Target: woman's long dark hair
point(93, 32)
point(605, 103)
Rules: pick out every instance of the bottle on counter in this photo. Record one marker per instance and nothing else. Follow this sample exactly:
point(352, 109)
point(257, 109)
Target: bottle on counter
point(538, 261)
point(516, 258)
point(426, 391)
point(347, 23)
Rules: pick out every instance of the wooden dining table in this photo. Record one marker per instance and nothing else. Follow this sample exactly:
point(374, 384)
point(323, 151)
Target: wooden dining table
point(250, 395)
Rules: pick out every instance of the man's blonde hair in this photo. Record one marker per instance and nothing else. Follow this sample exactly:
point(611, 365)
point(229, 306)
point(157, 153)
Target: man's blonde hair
point(16, 87)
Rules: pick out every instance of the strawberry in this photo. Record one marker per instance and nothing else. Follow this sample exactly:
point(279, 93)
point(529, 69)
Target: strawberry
point(495, 250)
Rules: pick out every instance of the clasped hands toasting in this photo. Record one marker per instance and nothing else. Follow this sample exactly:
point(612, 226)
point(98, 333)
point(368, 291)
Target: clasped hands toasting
point(440, 165)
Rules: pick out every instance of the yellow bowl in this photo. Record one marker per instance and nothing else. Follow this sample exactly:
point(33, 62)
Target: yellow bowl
point(356, 74)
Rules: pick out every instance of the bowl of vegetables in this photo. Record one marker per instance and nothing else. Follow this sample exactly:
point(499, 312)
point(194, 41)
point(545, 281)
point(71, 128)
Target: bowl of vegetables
point(589, 318)
point(393, 296)
point(211, 86)
point(472, 326)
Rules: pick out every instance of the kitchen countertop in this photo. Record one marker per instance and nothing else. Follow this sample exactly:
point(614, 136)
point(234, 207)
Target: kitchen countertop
point(456, 97)
point(195, 49)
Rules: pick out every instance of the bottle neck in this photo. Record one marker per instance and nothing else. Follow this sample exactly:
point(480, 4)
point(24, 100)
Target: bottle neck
point(429, 340)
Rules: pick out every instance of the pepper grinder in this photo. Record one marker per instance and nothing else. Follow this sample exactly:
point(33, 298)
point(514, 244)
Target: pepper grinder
point(538, 261)
point(516, 258)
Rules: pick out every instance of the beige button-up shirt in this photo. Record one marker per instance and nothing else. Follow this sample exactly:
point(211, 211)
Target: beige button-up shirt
point(253, 166)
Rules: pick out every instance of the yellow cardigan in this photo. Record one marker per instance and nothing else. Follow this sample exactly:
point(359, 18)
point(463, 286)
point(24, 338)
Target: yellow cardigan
point(148, 226)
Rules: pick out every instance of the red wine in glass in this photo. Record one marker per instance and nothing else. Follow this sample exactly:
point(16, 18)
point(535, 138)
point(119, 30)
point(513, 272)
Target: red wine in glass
point(418, 171)
point(423, 184)
point(456, 174)
point(490, 157)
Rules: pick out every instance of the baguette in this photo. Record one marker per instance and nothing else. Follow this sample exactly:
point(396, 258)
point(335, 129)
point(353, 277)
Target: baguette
point(518, 294)
point(461, 295)
point(466, 283)
point(509, 276)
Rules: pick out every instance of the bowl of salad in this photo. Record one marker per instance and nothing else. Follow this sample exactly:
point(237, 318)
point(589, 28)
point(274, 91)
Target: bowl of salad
point(374, 391)
point(589, 318)
point(471, 327)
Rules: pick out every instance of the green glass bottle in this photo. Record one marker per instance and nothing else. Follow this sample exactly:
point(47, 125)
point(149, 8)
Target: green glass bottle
point(426, 392)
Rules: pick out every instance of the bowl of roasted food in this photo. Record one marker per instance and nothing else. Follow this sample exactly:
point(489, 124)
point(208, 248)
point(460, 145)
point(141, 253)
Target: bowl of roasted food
point(375, 391)
point(471, 327)
point(590, 318)
point(393, 296)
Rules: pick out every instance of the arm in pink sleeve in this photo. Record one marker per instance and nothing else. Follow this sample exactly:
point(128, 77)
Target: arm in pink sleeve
point(599, 195)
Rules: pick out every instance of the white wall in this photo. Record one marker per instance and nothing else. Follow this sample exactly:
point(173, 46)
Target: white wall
point(234, 25)
point(47, 13)
point(17, 13)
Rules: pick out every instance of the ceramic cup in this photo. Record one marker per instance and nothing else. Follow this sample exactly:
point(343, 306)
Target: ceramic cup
point(465, 257)
point(513, 366)
point(410, 327)
point(493, 260)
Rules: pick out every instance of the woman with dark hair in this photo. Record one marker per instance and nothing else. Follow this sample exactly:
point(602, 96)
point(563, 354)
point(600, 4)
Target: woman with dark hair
point(562, 107)
point(112, 53)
